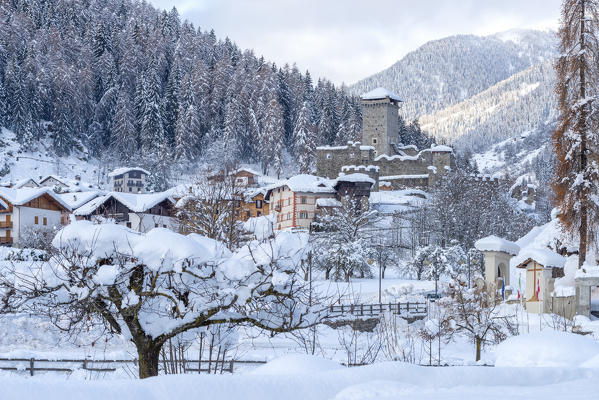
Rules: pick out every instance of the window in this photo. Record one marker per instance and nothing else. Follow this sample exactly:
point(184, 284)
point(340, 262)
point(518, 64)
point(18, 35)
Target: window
point(258, 203)
point(374, 140)
point(164, 226)
point(258, 214)
point(288, 202)
point(128, 224)
point(36, 220)
point(328, 156)
point(45, 221)
point(303, 200)
point(288, 216)
point(352, 155)
point(303, 215)
point(155, 225)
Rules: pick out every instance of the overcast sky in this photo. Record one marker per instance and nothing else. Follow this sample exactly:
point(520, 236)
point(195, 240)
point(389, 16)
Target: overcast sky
point(347, 40)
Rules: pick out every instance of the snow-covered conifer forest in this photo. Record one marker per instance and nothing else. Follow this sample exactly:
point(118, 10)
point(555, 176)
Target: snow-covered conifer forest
point(181, 216)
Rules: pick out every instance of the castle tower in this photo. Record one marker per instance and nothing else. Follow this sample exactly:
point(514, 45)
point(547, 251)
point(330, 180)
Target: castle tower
point(380, 128)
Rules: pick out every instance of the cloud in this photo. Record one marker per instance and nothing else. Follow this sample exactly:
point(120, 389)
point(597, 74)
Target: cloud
point(347, 40)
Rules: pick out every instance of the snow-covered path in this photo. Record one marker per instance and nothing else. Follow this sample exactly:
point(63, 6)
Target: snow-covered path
point(380, 381)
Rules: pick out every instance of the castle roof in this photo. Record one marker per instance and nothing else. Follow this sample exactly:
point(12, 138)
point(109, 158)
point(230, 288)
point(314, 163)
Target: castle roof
point(379, 94)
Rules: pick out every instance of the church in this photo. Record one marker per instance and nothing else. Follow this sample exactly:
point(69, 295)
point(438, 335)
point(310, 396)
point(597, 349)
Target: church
point(380, 155)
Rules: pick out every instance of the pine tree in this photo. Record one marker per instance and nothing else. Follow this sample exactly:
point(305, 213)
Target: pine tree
point(188, 129)
point(3, 105)
point(305, 142)
point(171, 105)
point(124, 142)
point(575, 139)
point(272, 138)
point(152, 132)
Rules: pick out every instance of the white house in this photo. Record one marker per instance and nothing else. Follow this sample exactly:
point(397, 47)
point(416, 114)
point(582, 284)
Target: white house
point(129, 179)
point(141, 212)
point(27, 209)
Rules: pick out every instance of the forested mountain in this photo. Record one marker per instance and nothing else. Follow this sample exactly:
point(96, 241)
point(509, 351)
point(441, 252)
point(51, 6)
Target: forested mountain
point(129, 82)
point(450, 70)
point(523, 102)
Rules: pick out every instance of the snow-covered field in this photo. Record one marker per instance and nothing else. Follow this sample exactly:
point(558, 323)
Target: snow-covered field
point(304, 378)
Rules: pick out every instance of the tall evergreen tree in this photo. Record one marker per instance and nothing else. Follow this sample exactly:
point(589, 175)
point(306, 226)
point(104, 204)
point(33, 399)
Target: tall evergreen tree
point(124, 142)
point(576, 139)
point(305, 145)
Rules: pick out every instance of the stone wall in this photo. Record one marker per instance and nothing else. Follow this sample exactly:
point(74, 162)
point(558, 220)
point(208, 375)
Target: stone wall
point(330, 159)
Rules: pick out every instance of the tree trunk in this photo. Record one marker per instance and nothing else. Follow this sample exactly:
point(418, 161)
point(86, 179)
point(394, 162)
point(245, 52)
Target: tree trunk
point(148, 359)
point(478, 346)
point(582, 250)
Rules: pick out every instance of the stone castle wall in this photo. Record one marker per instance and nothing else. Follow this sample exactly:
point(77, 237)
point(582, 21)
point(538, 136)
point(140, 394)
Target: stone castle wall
point(380, 124)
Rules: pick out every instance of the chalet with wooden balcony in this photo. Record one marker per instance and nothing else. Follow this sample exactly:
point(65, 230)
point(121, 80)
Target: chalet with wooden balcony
point(141, 212)
point(27, 209)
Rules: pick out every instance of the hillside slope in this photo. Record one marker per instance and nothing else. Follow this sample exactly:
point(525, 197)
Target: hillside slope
point(523, 102)
point(445, 72)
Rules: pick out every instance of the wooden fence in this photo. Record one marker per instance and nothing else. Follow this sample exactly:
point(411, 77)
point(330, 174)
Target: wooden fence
point(33, 365)
point(408, 309)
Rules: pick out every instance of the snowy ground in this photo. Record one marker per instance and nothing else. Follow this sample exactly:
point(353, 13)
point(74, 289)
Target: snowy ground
point(307, 378)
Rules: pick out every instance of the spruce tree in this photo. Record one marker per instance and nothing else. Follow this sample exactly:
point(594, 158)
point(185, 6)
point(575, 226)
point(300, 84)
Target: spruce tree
point(575, 139)
point(305, 145)
point(124, 141)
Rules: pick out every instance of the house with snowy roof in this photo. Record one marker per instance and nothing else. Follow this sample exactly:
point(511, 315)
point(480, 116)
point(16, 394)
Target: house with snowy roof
point(129, 179)
point(380, 155)
point(294, 200)
point(21, 183)
point(141, 212)
point(26, 209)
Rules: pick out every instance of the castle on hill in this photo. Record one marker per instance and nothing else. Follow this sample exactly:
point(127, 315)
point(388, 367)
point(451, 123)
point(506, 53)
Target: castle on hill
point(380, 154)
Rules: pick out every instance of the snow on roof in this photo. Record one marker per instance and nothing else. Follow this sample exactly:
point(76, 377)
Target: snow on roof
point(380, 93)
point(398, 197)
point(135, 202)
point(308, 184)
point(355, 177)
point(541, 255)
point(76, 200)
point(18, 197)
point(494, 243)
point(124, 170)
point(349, 143)
point(441, 149)
point(58, 178)
point(251, 171)
point(393, 177)
point(19, 184)
point(328, 202)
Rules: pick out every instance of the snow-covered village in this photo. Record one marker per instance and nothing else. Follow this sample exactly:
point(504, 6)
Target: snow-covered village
point(267, 199)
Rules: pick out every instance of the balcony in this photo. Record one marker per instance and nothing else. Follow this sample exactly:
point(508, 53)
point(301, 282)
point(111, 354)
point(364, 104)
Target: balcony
point(6, 224)
point(5, 240)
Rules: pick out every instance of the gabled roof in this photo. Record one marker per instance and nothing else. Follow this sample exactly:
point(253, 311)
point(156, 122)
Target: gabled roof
point(19, 184)
point(19, 197)
point(124, 170)
point(77, 199)
point(305, 183)
point(380, 94)
point(135, 202)
point(542, 255)
point(58, 178)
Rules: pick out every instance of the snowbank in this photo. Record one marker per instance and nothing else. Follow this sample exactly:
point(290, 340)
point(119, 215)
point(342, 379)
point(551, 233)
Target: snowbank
point(494, 243)
point(546, 349)
point(381, 381)
point(296, 364)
